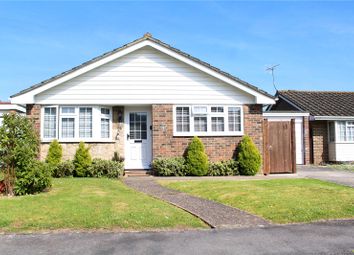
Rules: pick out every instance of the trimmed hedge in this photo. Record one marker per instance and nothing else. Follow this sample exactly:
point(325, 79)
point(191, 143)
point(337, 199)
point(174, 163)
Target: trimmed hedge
point(196, 158)
point(169, 166)
point(223, 168)
point(248, 157)
point(106, 168)
point(63, 169)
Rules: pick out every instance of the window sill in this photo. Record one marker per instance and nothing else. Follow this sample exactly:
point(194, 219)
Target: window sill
point(209, 134)
point(79, 140)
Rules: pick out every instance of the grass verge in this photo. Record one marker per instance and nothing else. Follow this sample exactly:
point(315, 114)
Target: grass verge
point(280, 201)
point(89, 203)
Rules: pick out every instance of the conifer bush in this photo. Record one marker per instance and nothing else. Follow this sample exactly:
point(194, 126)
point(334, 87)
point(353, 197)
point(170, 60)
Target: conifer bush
point(82, 160)
point(55, 153)
point(248, 157)
point(196, 158)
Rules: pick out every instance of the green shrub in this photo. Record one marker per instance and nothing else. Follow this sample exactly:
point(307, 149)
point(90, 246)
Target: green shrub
point(82, 160)
point(36, 177)
point(55, 153)
point(106, 168)
point(223, 168)
point(248, 157)
point(196, 158)
point(19, 145)
point(117, 157)
point(63, 169)
point(169, 166)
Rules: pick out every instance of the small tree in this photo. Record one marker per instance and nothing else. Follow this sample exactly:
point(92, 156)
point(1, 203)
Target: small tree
point(196, 158)
point(82, 160)
point(248, 157)
point(55, 153)
point(19, 146)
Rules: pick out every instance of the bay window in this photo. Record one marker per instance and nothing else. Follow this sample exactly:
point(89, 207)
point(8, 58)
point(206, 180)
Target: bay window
point(205, 120)
point(76, 123)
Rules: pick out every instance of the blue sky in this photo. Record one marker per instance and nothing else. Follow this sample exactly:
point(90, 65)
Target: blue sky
point(312, 41)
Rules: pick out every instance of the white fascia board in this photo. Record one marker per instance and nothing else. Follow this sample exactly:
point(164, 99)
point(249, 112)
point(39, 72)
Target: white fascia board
point(29, 97)
point(9, 107)
point(333, 117)
point(286, 114)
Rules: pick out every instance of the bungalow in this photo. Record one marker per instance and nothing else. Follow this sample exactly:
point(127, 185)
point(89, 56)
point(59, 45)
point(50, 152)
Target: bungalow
point(6, 107)
point(144, 100)
point(327, 133)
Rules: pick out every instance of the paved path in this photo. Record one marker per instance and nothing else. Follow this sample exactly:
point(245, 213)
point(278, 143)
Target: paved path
point(215, 214)
point(327, 174)
point(323, 238)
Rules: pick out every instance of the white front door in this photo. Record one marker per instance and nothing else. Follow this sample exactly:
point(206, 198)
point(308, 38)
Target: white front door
point(138, 151)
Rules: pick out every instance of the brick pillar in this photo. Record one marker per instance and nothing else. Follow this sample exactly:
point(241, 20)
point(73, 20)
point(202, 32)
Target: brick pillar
point(253, 124)
point(307, 142)
point(118, 129)
point(33, 111)
point(320, 141)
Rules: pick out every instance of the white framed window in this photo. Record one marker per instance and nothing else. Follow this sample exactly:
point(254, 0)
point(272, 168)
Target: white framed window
point(76, 123)
point(217, 124)
point(49, 126)
point(207, 120)
point(105, 122)
point(85, 122)
point(345, 131)
point(182, 119)
point(234, 118)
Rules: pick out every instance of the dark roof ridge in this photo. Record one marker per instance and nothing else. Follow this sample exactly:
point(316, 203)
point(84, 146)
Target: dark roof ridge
point(314, 91)
point(147, 36)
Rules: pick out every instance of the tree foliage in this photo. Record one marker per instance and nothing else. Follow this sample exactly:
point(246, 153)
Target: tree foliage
point(19, 146)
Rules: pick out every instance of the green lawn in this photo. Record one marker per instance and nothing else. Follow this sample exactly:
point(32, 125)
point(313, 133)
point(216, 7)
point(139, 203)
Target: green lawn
point(80, 203)
point(280, 201)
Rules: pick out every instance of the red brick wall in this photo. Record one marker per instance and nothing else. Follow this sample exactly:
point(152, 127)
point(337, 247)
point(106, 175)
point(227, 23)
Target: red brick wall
point(217, 147)
point(319, 142)
point(307, 141)
point(33, 111)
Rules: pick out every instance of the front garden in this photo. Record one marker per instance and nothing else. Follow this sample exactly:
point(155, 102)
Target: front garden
point(280, 201)
point(91, 203)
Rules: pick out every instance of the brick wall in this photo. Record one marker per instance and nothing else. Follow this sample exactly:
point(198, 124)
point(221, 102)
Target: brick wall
point(33, 111)
point(217, 147)
point(319, 142)
point(307, 141)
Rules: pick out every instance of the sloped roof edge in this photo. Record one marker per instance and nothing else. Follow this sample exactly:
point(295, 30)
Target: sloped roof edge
point(147, 36)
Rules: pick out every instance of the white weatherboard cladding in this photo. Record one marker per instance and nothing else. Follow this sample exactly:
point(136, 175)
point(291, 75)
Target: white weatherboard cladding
point(341, 152)
point(145, 76)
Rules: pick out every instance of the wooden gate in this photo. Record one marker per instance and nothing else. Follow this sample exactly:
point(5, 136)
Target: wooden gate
point(279, 147)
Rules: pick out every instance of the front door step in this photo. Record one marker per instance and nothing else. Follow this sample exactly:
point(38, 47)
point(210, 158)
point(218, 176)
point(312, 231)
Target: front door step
point(137, 173)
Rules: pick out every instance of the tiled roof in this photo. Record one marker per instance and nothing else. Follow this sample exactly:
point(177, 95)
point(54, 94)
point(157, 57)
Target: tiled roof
point(147, 36)
point(321, 103)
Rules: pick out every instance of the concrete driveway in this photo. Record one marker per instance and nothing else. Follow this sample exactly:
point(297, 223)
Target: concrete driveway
point(327, 174)
point(321, 238)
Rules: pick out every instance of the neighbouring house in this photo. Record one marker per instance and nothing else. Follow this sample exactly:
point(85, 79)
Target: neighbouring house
point(144, 100)
point(6, 107)
point(326, 132)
